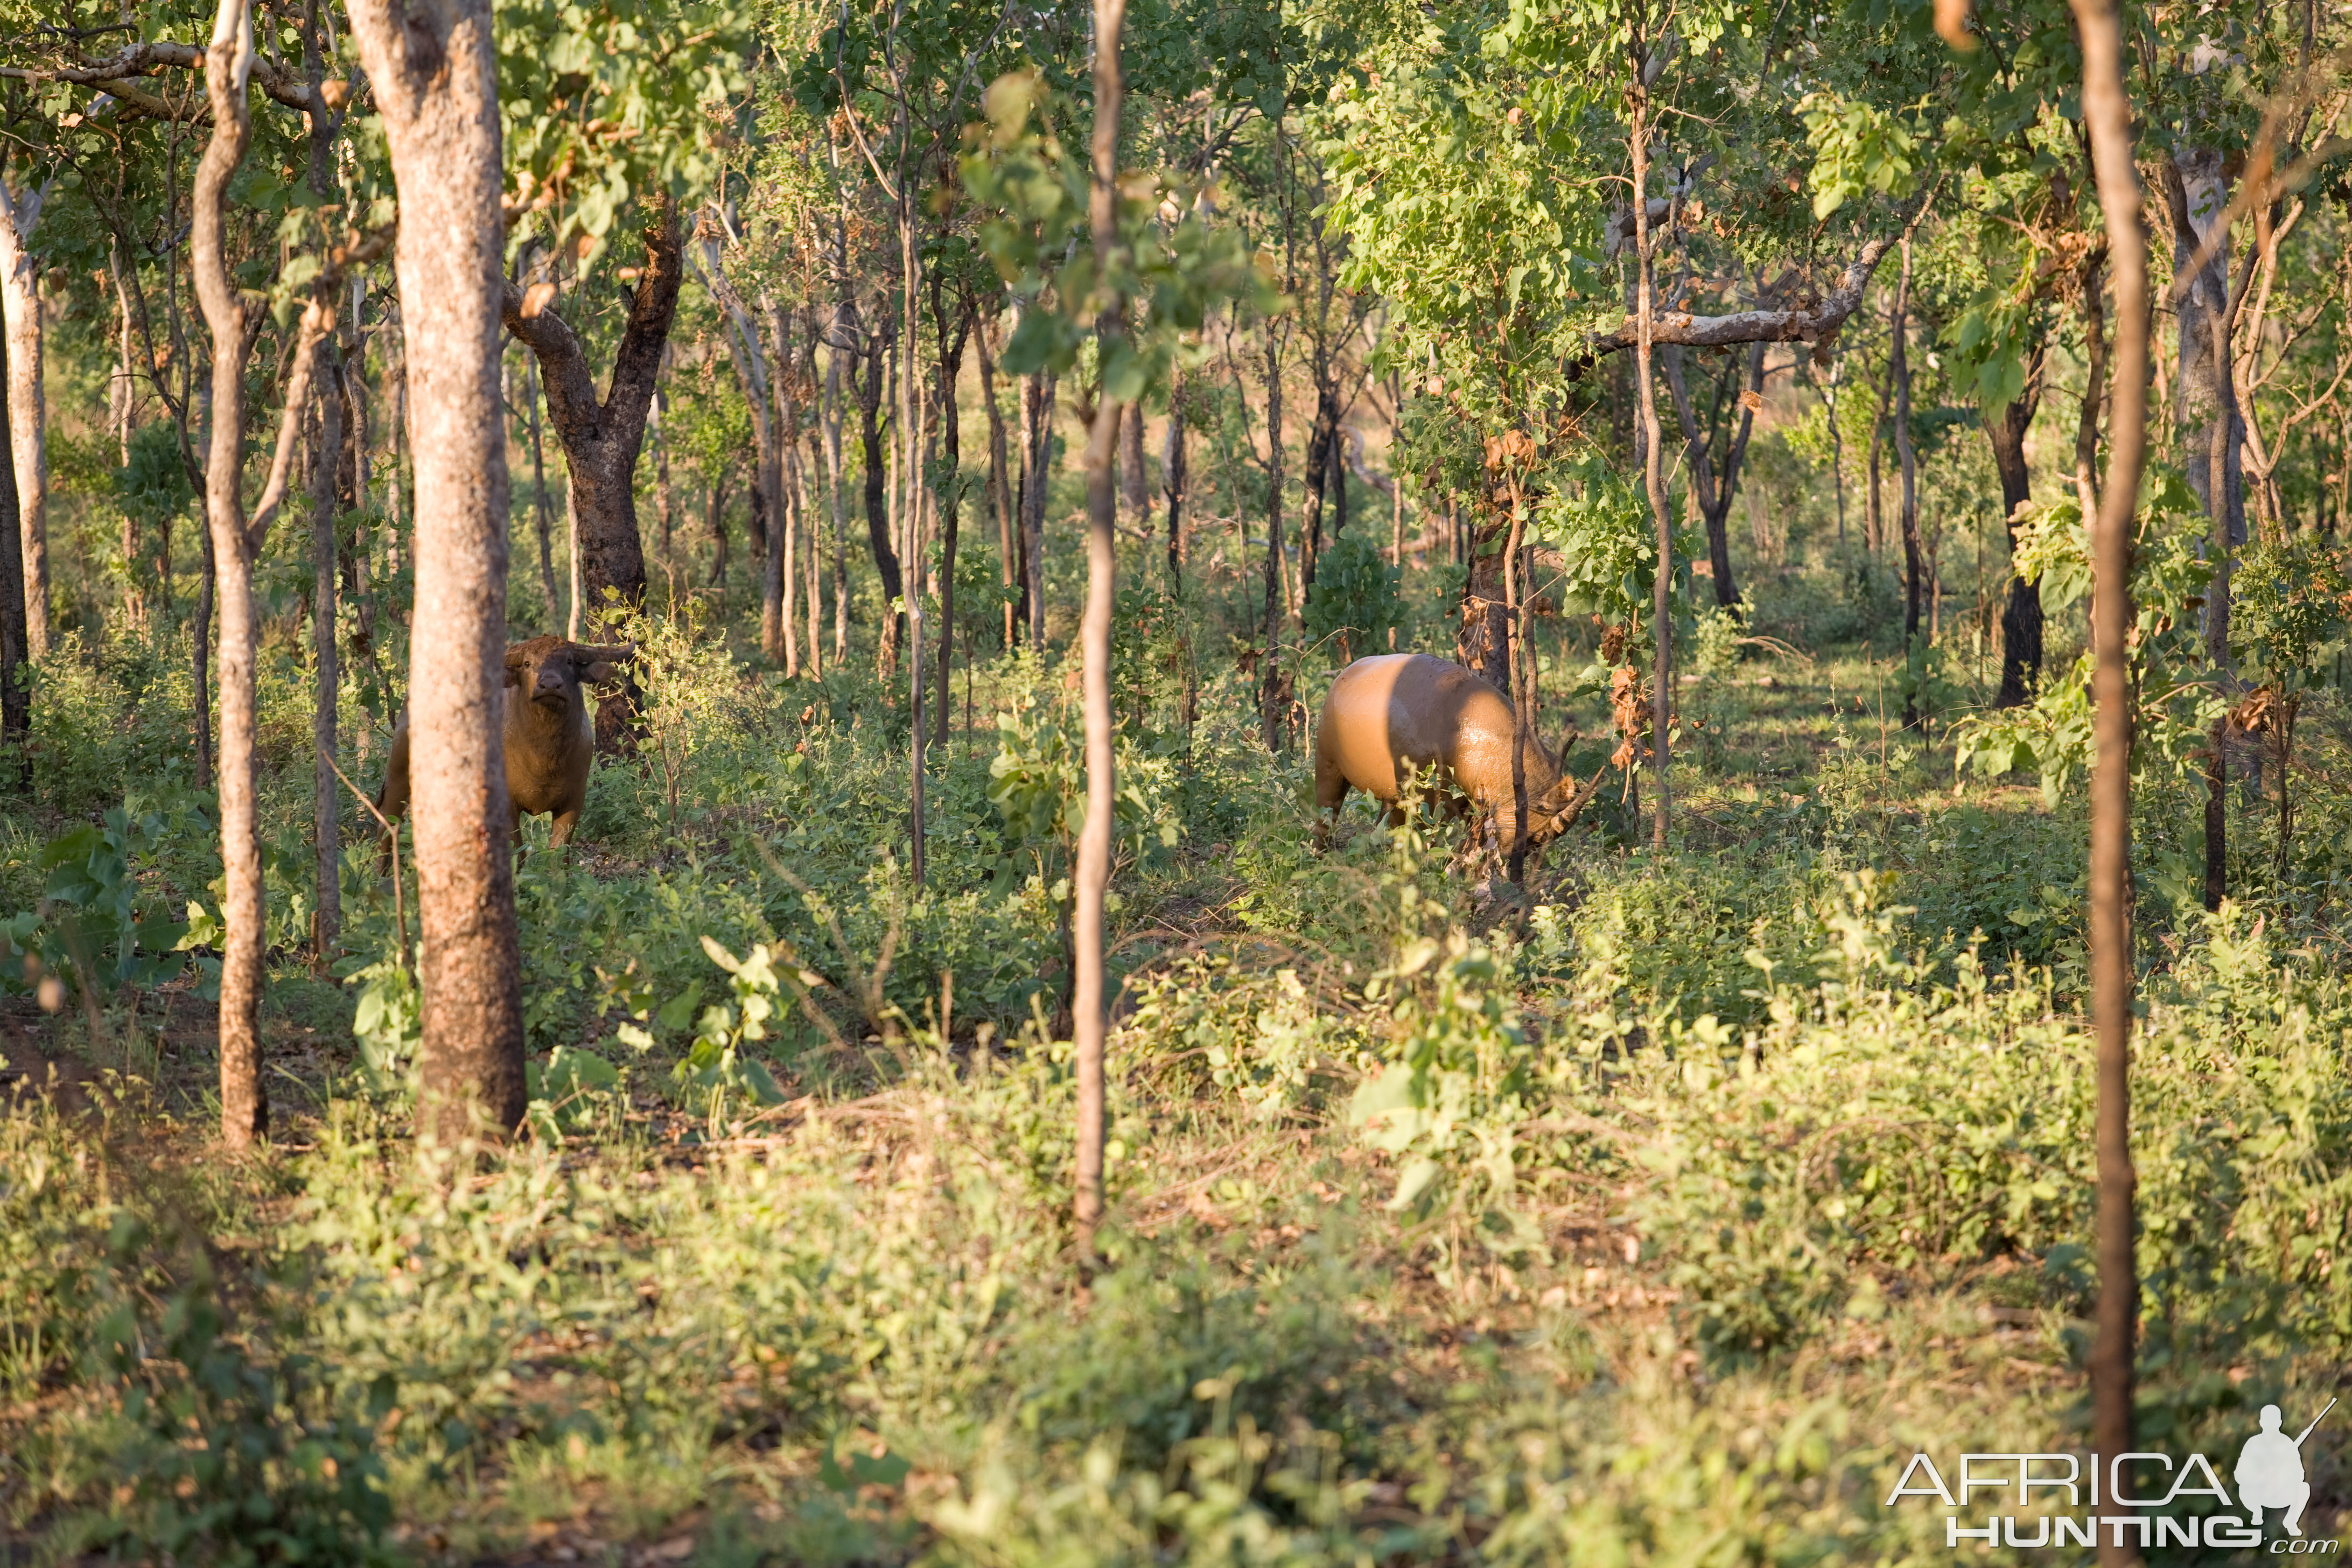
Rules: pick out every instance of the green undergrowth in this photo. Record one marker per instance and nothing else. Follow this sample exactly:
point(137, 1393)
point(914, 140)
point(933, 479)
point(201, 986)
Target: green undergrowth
point(1653, 1217)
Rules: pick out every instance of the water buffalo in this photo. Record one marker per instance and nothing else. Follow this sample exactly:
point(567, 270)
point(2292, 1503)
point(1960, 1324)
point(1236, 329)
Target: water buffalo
point(549, 738)
point(1391, 715)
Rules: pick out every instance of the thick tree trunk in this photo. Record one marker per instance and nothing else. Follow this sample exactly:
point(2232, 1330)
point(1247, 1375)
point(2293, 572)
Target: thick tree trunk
point(602, 440)
point(2021, 616)
point(1086, 1006)
point(432, 67)
point(20, 298)
point(2107, 115)
point(228, 63)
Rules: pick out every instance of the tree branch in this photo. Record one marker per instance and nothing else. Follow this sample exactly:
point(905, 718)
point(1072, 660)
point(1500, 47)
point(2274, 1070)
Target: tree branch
point(1800, 325)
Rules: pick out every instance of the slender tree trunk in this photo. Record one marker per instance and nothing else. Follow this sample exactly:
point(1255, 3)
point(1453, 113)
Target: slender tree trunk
point(434, 71)
point(1908, 461)
point(20, 295)
point(1874, 512)
point(1087, 1001)
point(879, 528)
point(1661, 673)
point(538, 488)
point(1036, 472)
point(326, 803)
point(831, 419)
point(1000, 484)
point(16, 705)
point(1313, 476)
point(950, 430)
point(2107, 113)
point(1171, 481)
point(1713, 490)
point(778, 635)
point(200, 654)
point(665, 503)
point(1136, 491)
point(715, 516)
point(228, 64)
point(2021, 616)
point(1270, 660)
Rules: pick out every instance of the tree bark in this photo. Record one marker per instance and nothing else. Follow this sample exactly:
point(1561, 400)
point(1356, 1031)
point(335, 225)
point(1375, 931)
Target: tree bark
point(228, 64)
point(752, 375)
point(829, 418)
point(433, 68)
point(602, 440)
point(1313, 477)
point(2107, 113)
point(1136, 487)
point(1094, 638)
point(20, 297)
point(779, 580)
point(2021, 616)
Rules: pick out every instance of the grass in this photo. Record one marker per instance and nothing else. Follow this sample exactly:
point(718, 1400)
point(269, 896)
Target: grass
point(1654, 1217)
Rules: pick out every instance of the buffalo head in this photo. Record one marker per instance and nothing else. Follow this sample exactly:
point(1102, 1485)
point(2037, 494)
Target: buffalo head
point(550, 670)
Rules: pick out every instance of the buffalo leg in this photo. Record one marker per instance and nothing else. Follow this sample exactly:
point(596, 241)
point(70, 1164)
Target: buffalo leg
point(564, 823)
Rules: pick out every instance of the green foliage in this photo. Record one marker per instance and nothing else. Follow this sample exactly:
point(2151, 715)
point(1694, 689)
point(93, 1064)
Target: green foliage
point(1859, 147)
point(1353, 605)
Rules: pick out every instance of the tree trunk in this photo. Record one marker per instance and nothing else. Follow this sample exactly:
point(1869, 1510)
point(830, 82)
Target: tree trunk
point(1000, 483)
point(830, 417)
point(2021, 616)
point(1094, 638)
point(1270, 660)
point(776, 588)
point(715, 514)
point(602, 440)
point(20, 295)
point(538, 491)
point(1662, 671)
point(1136, 491)
point(1900, 369)
point(951, 513)
point(228, 63)
point(1313, 476)
point(877, 503)
point(431, 68)
point(15, 705)
point(1171, 481)
point(2108, 114)
point(1036, 472)
point(326, 803)
point(1712, 488)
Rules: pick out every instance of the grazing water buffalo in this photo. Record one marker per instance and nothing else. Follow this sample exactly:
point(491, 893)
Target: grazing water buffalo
point(1393, 714)
point(549, 738)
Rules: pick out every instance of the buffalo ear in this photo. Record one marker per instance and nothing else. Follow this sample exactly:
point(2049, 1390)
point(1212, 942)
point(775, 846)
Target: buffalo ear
point(599, 672)
point(514, 675)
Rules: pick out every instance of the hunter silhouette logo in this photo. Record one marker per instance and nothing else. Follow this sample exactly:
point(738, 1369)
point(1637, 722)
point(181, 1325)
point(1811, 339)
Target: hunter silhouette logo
point(2138, 1500)
point(2270, 1471)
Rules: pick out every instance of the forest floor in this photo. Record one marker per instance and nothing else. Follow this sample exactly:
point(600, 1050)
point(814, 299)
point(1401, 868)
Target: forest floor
point(1659, 1214)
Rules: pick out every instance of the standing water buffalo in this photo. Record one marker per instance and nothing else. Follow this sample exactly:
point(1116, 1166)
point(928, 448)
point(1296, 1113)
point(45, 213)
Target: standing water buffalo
point(1388, 716)
point(549, 738)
